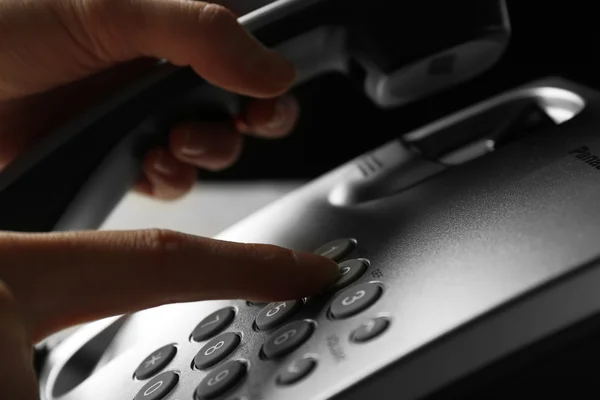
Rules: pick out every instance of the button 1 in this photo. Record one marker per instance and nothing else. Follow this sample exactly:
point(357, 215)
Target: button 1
point(296, 370)
point(213, 324)
point(354, 300)
point(216, 350)
point(276, 313)
point(370, 330)
point(287, 338)
point(336, 249)
point(158, 387)
point(220, 380)
point(155, 362)
point(350, 271)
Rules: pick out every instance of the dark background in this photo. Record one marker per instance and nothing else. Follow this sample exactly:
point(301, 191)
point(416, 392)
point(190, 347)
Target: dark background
point(338, 123)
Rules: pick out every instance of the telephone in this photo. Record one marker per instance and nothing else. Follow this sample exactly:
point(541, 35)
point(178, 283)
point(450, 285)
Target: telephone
point(464, 246)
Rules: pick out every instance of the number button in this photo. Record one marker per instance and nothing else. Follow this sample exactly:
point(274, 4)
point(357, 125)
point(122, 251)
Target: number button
point(369, 330)
point(337, 249)
point(216, 350)
point(155, 362)
point(355, 300)
point(287, 338)
point(158, 387)
point(213, 324)
point(350, 271)
point(276, 313)
point(220, 380)
point(296, 370)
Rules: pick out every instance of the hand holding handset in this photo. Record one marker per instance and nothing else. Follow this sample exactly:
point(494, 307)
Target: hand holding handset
point(397, 53)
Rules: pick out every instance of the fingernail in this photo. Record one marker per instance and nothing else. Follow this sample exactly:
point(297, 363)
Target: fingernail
point(282, 112)
point(240, 124)
point(192, 145)
point(164, 165)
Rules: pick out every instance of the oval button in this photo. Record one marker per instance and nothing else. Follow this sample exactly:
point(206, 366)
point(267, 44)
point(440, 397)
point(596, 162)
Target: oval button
point(216, 350)
point(354, 300)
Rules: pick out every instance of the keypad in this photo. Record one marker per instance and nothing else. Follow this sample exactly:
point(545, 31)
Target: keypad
point(213, 324)
point(350, 271)
point(155, 362)
point(287, 339)
point(224, 375)
point(370, 330)
point(337, 249)
point(354, 300)
point(158, 387)
point(216, 350)
point(296, 371)
point(276, 313)
point(220, 380)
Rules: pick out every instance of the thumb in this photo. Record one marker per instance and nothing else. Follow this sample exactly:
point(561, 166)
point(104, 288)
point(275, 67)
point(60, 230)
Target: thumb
point(68, 278)
point(205, 36)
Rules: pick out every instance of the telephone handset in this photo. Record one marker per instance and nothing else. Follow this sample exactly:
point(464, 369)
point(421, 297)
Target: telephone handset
point(397, 53)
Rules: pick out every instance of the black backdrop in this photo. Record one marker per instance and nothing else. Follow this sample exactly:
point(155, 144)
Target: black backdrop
point(338, 123)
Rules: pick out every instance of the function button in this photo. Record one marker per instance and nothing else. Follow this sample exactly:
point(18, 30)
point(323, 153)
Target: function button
point(158, 387)
point(354, 300)
point(350, 271)
point(287, 338)
point(370, 330)
point(216, 350)
point(276, 313)
point(336, 249)
point(213, 324)
point(296, 370)
point(220, 380)
point(155, 362)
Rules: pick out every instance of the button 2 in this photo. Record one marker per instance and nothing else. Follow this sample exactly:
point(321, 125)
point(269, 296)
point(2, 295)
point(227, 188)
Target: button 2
point(350, 271)
point(276, 313)
point(287, 338)
point(216, 350)
point(155, 362)
point(336, 249)
point(354, 300)
point(159, 387)
point(213, 324)
point(370, 330)
point(221, 379)
point(296, 370)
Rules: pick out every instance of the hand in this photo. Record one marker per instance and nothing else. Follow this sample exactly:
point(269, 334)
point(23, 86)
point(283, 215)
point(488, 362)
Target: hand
point(82, 50)
point(57, 57)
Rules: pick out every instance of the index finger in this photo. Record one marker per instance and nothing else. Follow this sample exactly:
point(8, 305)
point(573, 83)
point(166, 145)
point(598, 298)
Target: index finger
point(68, 278)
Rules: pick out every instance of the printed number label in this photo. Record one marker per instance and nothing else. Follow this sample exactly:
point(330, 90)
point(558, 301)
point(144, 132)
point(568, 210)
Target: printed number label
point(284, 337)
point(214, 348)
point(352, 299)
point(220, 376)
point(275, 310)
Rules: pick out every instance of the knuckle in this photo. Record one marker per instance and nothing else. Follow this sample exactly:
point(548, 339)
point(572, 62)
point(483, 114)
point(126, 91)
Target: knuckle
point(162, 241)
point(214, 15)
